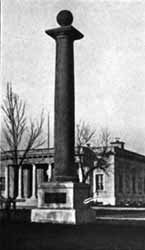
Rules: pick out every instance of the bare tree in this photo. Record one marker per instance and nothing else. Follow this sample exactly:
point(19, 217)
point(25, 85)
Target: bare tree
point(84, 134)
point(16, 128)
point(83, 137)
point(99, 154)
point(100, 162)
point(104, 137)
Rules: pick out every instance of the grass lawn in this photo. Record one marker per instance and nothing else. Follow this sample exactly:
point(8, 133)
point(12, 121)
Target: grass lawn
point(68, 237)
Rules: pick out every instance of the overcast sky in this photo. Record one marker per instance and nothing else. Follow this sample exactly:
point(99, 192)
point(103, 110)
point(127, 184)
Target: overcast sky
point(109, 61)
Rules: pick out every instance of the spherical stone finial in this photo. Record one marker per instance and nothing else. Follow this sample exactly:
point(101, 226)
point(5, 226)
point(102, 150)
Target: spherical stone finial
point(64, 18)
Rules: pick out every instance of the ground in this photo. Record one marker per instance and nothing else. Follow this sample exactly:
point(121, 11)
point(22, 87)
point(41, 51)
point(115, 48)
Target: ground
point(67, 237)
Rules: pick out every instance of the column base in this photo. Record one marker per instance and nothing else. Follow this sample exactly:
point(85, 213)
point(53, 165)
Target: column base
point(33, 198)
point(19, 198)
point(62, 203)
point(27, 202)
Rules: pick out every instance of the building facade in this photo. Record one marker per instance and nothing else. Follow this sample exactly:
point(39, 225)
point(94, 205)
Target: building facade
point(22, 183)
point(122, 183)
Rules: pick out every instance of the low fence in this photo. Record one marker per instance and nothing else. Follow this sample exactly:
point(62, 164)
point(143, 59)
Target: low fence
point(120, 213)
point(15, 215)
point(102, 213)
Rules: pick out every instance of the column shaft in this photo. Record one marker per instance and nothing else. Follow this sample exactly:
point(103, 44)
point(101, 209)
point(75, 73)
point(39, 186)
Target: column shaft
point(26, 181)
point(49, 172)
point(6, 182)
point(19, 183)
point(80, 172)
point(34, 181)
point(64, 110)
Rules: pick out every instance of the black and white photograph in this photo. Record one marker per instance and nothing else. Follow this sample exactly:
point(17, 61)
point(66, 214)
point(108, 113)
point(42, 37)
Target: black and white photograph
point(72, 125)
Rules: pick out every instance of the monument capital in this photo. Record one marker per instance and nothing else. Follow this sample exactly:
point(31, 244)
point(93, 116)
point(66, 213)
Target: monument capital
point(65, 19)
point(68, 31)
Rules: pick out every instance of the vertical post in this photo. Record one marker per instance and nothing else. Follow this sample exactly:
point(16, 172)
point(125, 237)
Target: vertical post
point(6, 182)
point(19, 183)
point(48, 132)
point(26, 182)
point(33, 181)
point(95, 194)
point(80, 172)
point(64, 97)
point(49, 171)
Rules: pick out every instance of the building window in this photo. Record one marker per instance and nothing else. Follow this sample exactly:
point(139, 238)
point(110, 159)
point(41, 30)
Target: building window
point(2, 183)
point(120, 183)
point(140, 186)
point(99, 182)
point(133, 184)
point(127, 183)
point(144, 184)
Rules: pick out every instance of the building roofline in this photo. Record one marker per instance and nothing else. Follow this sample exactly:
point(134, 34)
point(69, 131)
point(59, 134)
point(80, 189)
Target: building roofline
point(129, 154)
point(123, 153)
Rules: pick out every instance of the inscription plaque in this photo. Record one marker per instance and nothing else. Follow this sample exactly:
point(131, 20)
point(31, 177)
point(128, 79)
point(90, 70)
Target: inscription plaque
point(55, 197)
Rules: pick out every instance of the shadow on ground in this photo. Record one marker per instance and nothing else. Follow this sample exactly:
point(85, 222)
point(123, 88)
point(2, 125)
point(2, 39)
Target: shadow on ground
point(33, 236)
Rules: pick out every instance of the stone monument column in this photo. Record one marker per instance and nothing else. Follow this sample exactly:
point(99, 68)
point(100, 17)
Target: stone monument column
point(62, 200)
point(64, 36)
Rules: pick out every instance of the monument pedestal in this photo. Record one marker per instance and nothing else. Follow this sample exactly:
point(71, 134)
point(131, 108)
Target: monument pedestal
point(63, 203)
